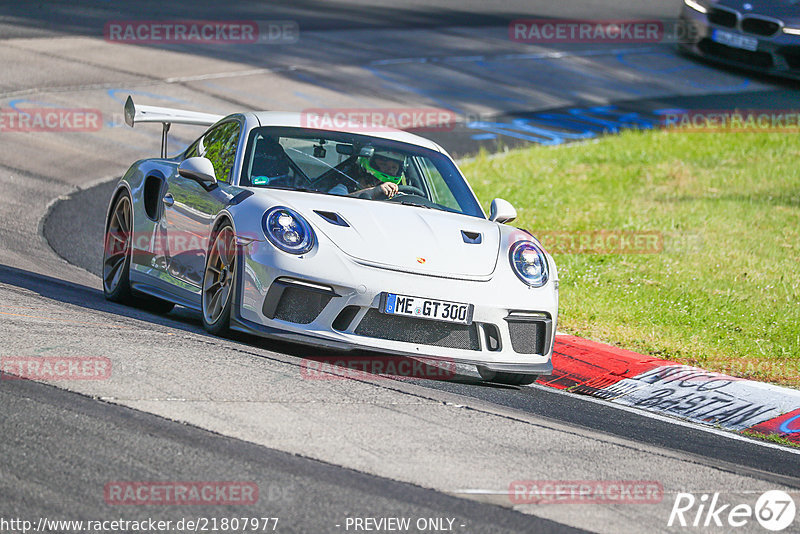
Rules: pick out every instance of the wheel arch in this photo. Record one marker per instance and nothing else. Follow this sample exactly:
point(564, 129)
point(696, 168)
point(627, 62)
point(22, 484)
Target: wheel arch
point(221, 218)
point(122, 187)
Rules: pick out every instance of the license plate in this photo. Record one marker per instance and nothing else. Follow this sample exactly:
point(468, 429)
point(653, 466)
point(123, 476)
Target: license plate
point(735, 40)
point(422, 308)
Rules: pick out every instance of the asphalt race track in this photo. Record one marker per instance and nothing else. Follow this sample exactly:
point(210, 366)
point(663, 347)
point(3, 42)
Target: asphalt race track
point(286, 482)
point(181, 405)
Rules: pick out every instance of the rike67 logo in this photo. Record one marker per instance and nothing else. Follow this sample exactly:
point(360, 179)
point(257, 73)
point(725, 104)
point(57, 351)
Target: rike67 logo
point(774, 510)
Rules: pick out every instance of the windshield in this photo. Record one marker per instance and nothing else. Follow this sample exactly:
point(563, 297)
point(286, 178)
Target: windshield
point(357, 166)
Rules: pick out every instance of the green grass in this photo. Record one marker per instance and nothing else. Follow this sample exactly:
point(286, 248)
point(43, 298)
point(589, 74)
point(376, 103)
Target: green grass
point(774, 438)
point(724, 293)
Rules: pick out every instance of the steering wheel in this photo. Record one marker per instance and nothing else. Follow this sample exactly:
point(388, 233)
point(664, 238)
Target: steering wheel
point(402, 190)
point(411, 190)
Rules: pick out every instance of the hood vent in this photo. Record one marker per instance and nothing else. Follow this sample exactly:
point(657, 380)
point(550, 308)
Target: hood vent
point(472, 238)
point(332, 217)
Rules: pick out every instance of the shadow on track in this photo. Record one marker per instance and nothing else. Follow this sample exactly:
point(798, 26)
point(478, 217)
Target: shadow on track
point(98, 443)
point(317, 363)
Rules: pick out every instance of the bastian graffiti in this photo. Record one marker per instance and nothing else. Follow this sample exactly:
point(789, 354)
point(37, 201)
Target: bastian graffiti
point(702, 396)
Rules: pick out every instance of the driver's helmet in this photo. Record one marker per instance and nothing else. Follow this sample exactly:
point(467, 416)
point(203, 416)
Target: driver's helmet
point(385, 165)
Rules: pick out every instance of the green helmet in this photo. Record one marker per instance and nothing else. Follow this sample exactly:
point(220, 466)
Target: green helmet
point(392, 163)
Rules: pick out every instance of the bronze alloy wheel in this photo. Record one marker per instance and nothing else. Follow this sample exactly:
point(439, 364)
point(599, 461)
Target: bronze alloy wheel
point(219, 279)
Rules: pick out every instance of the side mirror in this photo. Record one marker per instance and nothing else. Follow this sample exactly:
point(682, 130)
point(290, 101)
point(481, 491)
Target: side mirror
point(199, 169)
point(502, 211)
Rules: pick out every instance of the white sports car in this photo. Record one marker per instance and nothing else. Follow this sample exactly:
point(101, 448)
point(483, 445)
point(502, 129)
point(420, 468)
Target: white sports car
point(346, 239)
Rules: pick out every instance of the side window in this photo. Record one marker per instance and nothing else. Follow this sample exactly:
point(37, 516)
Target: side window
point(219, 145)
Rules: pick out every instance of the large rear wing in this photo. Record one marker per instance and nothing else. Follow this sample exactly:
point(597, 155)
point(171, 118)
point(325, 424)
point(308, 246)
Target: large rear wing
point(166, 116)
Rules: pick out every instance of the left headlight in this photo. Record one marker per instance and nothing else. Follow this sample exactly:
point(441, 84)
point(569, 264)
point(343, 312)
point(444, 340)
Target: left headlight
point(288, 230)
point(529, 263)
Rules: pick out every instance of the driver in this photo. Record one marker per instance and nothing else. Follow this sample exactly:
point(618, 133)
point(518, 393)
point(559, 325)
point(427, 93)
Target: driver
point(378, 175)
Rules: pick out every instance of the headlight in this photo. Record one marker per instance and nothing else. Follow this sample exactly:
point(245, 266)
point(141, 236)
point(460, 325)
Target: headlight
point(791, 30)
point(697, 5)
point(288, 230)
point(529, 263)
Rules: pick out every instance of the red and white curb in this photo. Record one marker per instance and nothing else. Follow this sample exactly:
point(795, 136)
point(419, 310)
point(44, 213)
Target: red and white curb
point(635, 380)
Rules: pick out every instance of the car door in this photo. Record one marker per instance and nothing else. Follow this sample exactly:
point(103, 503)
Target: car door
point(190, 208)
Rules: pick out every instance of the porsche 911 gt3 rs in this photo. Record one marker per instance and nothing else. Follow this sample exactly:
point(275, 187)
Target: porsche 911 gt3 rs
point(342, 239)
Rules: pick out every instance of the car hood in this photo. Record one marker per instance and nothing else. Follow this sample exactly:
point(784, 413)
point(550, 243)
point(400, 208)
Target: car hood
point(787, 10)
point(407, 238)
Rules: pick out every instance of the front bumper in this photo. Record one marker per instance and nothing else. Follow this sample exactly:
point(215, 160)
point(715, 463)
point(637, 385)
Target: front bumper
point(283, 296)
point(778, 55)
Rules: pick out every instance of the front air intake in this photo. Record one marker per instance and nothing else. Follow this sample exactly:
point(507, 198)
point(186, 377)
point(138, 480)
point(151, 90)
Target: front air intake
point(296, 301)
point(420, 331)
point(530, 333)
point(722, 17)
point(760, 26)
point(472, 238)
point(332, 217)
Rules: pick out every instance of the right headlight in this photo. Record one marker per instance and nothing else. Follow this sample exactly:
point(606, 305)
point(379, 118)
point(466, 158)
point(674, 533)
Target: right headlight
point(529, 263)
point(288, 230)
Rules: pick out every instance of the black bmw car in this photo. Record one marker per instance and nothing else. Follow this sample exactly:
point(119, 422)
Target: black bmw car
point(761, 35)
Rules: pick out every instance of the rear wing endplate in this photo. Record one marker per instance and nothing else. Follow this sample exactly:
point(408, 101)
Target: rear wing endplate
point(166, 116)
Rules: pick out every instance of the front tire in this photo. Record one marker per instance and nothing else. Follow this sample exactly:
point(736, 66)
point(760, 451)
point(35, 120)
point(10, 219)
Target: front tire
point(509, 379)
point(219, 281)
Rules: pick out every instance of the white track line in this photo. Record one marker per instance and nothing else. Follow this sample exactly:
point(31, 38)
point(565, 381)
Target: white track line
point(473, 491)
point(233, 74)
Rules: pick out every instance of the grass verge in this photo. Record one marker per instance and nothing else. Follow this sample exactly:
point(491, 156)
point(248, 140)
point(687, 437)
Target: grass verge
point(774, 438)
point(720, 285)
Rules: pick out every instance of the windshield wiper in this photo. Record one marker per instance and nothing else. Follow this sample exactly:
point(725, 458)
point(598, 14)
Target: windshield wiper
point(412, 203)
point(301, 189)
